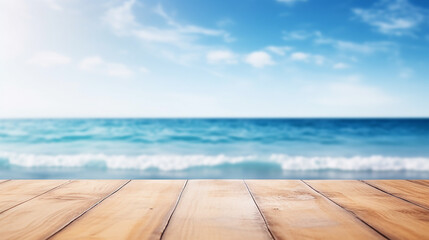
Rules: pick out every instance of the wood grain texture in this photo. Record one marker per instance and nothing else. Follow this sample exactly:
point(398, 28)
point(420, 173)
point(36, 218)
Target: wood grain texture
point(422, 182)
point(413, 192)
point(140, 210)
point(295, 211)
point(44, 215)
point(15, 192)
point(393, 217)
point(3, 180)
point(216, 209)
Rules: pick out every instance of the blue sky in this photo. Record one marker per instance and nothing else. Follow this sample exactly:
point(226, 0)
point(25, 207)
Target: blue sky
point(188, 58)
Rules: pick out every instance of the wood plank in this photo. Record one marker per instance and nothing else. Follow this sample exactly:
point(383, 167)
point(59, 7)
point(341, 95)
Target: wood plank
point(15, 192)
point(216, 209)
point(140, 210)
point(44, 215)
point(3, 180)
point(413, 192)
point(422, 182)
point(295, 211)
point(393, 217)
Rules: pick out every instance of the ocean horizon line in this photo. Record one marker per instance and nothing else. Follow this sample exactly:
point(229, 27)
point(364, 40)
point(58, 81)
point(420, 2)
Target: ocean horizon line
point(224, 118)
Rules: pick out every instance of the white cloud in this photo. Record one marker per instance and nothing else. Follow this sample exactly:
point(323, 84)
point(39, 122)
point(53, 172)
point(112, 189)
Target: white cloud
point(342, 45)
point(340, 65)
point(299, 56)
point(99, 65)
point(364, 48)
point(299, 35)
point(259, 59)
point(306, 57)
point(279, 50)
point(118, 70)
point(49, 59)
point(296, 35)
point(221, 56)
point(356, 47)
point(123, 21)
point(169, 38)
point(290, 2)
point(191, 29)
point(121, 18)
point(396, 17)
point(151, 34)
point(318, 59)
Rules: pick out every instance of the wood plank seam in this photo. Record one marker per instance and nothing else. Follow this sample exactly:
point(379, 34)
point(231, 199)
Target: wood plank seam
point(216, 209)
point(7, 180)
point(260, 212)
point(174, 208)
point(94, 205)
point(420, 183)
point(393, 195)
point(352, 213)
point(62, 184)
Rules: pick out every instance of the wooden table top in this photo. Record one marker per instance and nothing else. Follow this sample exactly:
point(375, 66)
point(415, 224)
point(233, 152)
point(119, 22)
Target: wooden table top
point(214, 209)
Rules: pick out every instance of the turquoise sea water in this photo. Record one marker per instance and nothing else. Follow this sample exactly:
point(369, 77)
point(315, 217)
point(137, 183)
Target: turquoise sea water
point(214, 148)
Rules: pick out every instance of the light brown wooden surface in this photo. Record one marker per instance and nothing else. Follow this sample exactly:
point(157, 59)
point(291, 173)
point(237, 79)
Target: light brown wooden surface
point(216, 209)
point(407, 190)
point(44, 215)
point(393, 217)
point(422, 182)
point(140, 210)
point(16, 192)
point(295, 211)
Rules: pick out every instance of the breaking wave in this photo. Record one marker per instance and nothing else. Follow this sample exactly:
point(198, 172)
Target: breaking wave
point(182, 162)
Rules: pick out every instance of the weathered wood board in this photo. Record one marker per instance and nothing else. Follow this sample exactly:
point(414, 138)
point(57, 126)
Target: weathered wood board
point(140, 210)
point(295, 211)
point(214, 209)
point(391, 216)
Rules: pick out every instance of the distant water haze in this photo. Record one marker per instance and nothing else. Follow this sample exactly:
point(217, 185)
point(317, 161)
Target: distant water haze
point(214, 148)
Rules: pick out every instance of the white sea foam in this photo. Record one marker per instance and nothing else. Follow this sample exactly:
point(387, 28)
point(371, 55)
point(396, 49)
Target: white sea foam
point(163, 162)
point(374, 163)
point(180, 162)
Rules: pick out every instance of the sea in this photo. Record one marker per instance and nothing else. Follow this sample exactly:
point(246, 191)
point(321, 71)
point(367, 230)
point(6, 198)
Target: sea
point(278, 148)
